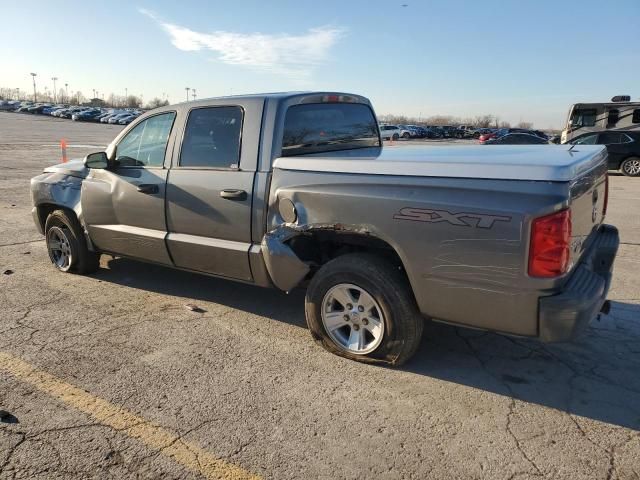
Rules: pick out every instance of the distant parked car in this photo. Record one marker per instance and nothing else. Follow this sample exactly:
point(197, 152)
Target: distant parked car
point(406, 131)
point(448, 131)
point(112, 114)
point(421, 132)
point(623, 148)
point(116, 118)
point(434, 132)
point(128, 119)
point(504, 131)
point(466, 131)
point(517, 139)
point(69, 113)
point(85, 115)
point(390, 132)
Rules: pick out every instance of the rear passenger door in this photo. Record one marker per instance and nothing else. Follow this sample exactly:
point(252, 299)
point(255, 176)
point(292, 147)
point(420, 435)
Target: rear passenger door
point(210, 189)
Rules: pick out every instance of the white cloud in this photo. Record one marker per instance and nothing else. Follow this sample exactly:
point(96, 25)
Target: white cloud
point(280, 53)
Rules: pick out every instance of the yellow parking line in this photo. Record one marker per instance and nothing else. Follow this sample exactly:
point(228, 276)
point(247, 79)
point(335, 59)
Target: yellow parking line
point(152, 435)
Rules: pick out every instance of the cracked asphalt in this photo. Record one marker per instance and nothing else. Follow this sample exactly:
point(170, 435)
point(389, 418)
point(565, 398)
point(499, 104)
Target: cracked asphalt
point(111, 376)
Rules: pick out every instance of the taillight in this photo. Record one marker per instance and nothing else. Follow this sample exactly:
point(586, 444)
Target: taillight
point(549, 253)
point(606, 195)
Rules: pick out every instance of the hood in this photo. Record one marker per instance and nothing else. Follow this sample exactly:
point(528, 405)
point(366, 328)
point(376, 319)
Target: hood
point(556, 163)
point(75, 168)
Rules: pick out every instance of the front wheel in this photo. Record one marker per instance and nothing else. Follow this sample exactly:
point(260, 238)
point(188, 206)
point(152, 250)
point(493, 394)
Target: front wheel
point(631, 167)
point(395, 136)
point(360, 306)
point(406, 136)
point(66, 244)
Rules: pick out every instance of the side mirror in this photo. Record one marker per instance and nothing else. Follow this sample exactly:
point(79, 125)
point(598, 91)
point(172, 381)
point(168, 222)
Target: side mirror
point(96, 160)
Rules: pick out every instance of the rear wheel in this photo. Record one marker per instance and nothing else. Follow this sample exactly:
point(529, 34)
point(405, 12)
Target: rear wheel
point(631, 167)
point(66, 244)
point(406, 135)
point(360, 306)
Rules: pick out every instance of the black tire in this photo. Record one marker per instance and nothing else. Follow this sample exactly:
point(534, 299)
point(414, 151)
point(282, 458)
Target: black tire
point(388, 286)
point(631, 167)
point(395, 136)
point(406, 135)
point(82, 260)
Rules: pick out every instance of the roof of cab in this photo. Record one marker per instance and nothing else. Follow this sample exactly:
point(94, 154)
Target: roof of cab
point(277, 96)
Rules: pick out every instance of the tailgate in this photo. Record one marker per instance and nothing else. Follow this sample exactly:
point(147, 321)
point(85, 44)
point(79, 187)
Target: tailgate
point(588, 199)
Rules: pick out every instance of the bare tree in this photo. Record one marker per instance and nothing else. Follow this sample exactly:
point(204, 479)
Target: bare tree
point(505, 124)
point(483, 121)
point(133, 101)
point(156, 102)
point(527, 125)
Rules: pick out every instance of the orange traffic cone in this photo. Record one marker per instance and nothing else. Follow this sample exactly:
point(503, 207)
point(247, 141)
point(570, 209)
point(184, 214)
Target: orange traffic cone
point(63, 147)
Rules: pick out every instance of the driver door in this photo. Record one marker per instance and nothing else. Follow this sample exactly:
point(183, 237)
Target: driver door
point(123, 207)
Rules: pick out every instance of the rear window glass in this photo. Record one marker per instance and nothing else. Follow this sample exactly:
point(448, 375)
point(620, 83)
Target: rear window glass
point(325, 127)
point(212, 138)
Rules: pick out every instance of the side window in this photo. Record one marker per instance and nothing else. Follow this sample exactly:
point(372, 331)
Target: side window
point(212, 138)
point(636, 116)
point(609, 138)
point(585, 117)
point(587, 140)
point(145, 145)
point(613, 117)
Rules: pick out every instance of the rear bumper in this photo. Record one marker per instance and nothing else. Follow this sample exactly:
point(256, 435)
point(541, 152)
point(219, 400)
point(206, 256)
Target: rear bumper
point(565, 315)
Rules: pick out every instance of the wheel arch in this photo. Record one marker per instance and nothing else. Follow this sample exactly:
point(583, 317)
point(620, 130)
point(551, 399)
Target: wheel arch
point(293, 255)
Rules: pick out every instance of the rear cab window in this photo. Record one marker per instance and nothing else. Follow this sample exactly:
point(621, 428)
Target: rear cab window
point(327, 127)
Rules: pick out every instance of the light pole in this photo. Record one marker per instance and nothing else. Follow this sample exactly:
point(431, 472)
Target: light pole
point(54, 88)
point(66, 91)
point(194, 93)
point(187, 89)
point(126, 96)
point(35, 97)
point(17, 93)
point(94, 92)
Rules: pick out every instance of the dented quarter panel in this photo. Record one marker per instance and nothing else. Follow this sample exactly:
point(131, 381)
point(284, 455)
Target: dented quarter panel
point(469, 271)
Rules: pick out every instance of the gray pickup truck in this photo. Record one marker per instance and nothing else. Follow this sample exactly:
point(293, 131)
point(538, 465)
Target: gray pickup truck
point(295, 190)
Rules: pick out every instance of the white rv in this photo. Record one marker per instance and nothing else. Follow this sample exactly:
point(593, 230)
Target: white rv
point(619, 114)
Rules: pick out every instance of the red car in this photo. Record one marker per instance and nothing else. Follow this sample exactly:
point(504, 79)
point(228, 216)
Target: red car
point(486, 136)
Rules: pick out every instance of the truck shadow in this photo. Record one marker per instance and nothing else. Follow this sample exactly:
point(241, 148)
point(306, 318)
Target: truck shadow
point(193, 287)
point(594, 377)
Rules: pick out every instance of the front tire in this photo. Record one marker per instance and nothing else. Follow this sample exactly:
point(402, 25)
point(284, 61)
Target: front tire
point(406, 136)
point(395, 136)
point(631, 167)
point(66, 244)
point(360, 306)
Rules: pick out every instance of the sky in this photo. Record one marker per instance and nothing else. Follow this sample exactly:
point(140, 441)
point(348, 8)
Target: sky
point(521, 61)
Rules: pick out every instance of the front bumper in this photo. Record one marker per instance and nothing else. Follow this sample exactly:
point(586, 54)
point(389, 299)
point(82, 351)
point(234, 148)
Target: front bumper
point(565, 315)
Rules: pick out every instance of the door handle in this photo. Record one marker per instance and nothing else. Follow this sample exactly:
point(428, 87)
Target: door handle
point(148, 188)
point(231, 194)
